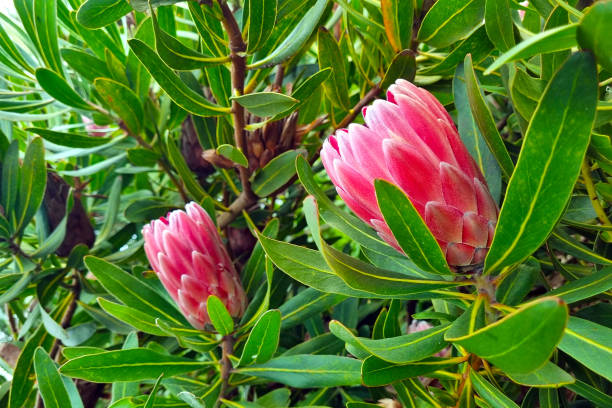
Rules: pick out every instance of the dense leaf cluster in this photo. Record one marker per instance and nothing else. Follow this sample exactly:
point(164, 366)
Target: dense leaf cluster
point(114, 112)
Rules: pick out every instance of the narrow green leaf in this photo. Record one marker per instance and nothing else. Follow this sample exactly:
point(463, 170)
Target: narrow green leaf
point(585, 287)
point(296, 38)
point(484, 119)
point(139, 320)
point(32, 183)
point(549, 375)
point(50, 382)
point(151, 398)
point(592, 394)
point(330, 56)
point(304, 91)
point(305, 304)
point(498, 22)
point(518, 283)
point(265, 103)
point(233, 153)
point(219, 316)
point(262, 16)
point(450, 20)
point(275, 174)
point(69, 139)
point(397, 18)
point(128, 365)
point(589, 343)
point(496, 398)
point(176, 89)
point(10, 180)
point(402, 66)
point(522, 341)
point(399, 350)
point(58, 88)
point(100, 13)
point(178, 162)
point(110, 216)
point(376, 372)
point(556, 39)
point(548, 165)
point(477, 45)
point(177, 55)
point(44, 19)
point(132, 291)
point(308, 371)
point(409, 229)
point(592, 33)
point(123, 101)
point(263, 339)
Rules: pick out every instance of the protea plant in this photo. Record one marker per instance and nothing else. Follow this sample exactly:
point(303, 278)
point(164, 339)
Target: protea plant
point(410, 140)
point(187, 253)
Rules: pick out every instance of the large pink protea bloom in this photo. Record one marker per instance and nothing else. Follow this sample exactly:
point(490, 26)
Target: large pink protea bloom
point(410, 140)
point(186, 252)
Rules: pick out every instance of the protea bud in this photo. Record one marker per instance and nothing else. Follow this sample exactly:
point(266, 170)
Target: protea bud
point(410, 140)
point(186, 251)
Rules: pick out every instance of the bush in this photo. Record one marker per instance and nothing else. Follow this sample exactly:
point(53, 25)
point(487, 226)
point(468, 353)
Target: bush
point(274, 203)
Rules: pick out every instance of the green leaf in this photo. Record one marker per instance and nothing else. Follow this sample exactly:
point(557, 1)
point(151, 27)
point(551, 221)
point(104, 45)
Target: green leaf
point(69, 139)
point(296, 38)
point(58, 88)
point(484, 119)
point(85, 64)
point(362, 276)
point(50, 382)
point(376, 372)
point(32, 183)
point(128, 365)
point(110, 217)
point(275, 174)
point(308, 267)
point(100, 13)
point(262, 16)
point(263, 339)
point(139, 320)
point(549, 375)
point(592, 394)
point(409, 229)
point(151, 398)
point(525, 92)
point(176, 89)
point(330, 56)
point(471, 320)
point(548, 165)
point(592, 33)
point(589, 343)
point(397, 18)
point(219, 316)
point(254, 269)
point(518, 283)
point(265, 103)
point(10, 180)
point(556, 39)
point(477, 45)
point(522, 341)
point(498, 22)
point(496, 398)
point(450, 20)
point(304, 91)
point(233, 153)
point(187, 177)
point(39, 18)
point(399, 350)
point(585, 287)
point(177, 55)
point(305, 304)
point(53, 241)
point(132, 291)
point(123, 101)
point(402, 66)
point(471, 136)
point(308, 371)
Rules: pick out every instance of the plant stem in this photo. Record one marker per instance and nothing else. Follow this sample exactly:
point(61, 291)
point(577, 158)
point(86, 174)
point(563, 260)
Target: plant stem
point(590, 188)
point(227, 347)
point(367, 98)
point(238, 73)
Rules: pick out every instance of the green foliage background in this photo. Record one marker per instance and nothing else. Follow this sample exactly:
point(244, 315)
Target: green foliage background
point(114, 112)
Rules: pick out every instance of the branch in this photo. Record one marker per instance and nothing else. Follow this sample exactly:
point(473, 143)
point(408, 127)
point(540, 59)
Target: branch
point(238, 60)
point(227, 347)
point(243, 202)
point(367, 98)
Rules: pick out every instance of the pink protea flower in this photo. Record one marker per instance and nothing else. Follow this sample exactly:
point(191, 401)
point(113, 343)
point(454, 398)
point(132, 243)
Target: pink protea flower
point(186, 252)
point(410, 140)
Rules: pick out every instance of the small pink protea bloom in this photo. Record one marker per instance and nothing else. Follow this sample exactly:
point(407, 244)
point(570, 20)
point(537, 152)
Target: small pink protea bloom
point(410, 140)
point(93, 129)
point(186, 252)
